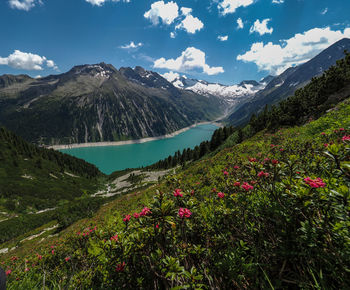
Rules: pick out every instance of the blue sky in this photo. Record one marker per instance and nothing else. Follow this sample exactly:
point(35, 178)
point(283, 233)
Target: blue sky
point(224, 41)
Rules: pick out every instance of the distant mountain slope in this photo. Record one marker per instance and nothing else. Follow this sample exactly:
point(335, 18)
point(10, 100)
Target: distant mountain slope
point(92, 103)
point(289, 81)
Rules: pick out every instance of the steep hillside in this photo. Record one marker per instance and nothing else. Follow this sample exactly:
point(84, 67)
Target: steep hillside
point(288, 82)
point(268, 213)
point(36, 180)
point(93, 103)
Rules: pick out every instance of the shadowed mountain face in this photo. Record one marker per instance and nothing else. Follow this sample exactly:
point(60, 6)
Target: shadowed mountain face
point(92, 103)
point(288, 82)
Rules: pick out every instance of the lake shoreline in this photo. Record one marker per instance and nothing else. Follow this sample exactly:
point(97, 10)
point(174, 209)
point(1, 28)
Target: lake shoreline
point(128, 142)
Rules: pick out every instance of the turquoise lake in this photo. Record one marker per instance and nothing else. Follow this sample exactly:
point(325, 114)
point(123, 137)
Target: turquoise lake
point(111, 158)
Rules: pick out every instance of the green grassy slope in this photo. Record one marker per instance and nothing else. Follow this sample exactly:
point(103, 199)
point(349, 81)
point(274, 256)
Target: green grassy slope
point(34, 179)
point(271, 212)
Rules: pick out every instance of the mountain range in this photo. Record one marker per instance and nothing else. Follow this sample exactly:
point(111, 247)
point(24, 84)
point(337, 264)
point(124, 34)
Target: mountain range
point(93, 103)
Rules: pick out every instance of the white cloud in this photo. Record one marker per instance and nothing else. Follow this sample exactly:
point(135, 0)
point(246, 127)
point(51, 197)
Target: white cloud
point(261, 27)
point(190, 24)
point(223, 37)
point(96, 2)
point(27, 61)
point(131, 45)
point(230, 6)
point(191, 59)
point(22, 4)
point(275, 58)
point(324, 11)
point(186, 11)
point(51, 64)
point(167, 12)
point(101, 2)
point(170, 76)
point(240, 24)
point(277, 1)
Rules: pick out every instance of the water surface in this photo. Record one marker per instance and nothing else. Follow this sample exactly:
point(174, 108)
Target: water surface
point(112, 158)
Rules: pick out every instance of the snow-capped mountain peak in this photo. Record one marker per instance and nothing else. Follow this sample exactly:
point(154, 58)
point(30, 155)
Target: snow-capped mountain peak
point(231, 94)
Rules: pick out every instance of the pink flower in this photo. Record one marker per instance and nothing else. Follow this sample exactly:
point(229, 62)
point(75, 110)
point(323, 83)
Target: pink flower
point(184, 213)
point(8, 272)
point(39, 257)
point(26, 269)
point(157, 226)
point(236, 167)
point(67, 259)
point(246, 186)
point(221, 195)
point(252, 159)
point(274, 161)
point(323, 133)
point(263, 174)
point(314, 183)
point(136, 215)
point(120, 267)
point(267, 159)
point(178, 192)
point(346, 138)
point(192, 192)
point(114, 238)
point(225, 173)
point(127, 218)
point(326, 145)
point(53, 252)
point(341, 129)
point(145, 211)
point(237, 184)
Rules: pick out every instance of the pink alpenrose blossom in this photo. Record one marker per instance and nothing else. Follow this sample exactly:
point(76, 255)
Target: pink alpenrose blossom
point(184, 213)
point(221, 195)
point(178, 192)
point(315, 183)
point(246, 186)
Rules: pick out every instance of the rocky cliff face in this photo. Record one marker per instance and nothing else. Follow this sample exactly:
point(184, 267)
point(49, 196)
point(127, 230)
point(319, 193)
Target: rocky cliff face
point(92, 103)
